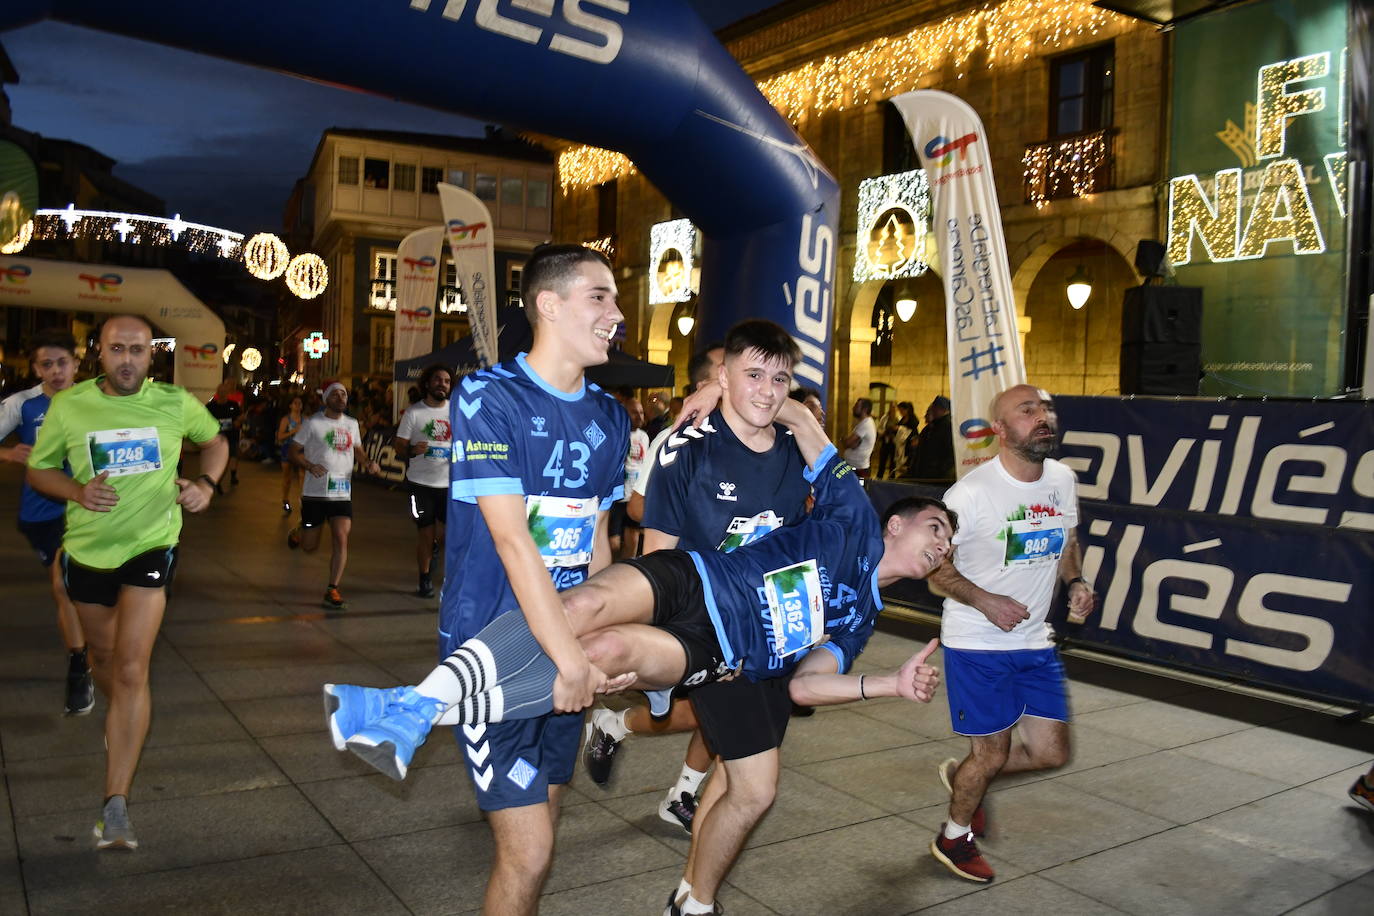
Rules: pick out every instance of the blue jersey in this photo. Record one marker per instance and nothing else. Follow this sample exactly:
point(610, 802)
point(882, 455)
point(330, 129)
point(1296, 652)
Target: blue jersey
point(513, 433)
point(713, 492)
point(843, 538)
point(25, 411)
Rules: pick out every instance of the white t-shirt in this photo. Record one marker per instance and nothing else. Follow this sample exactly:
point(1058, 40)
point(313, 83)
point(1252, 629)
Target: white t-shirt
point(641, 484)
point(421, 423)
point(859, 455)
point(328, 443)
point(1009, 541)
point(636, 459)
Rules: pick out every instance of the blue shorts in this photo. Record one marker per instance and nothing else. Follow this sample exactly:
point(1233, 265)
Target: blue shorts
point(512, 764)
point(989, 690)
point(45, 537)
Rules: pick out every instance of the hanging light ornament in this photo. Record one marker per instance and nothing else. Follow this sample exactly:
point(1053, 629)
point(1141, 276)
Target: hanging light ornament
point(265, 256)
point(251, 359)
point(307, 276)
point(16, 244)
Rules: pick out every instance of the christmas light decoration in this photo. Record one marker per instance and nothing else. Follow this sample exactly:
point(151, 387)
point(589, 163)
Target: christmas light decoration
point(251, 359)
point(1282, 212)
point(1217, 222)
point(1335, 170)
point(894, 225)
point(316, 345)
point(1275, 106)
point(307, 276)
point(16, 244)
point(135, 229)
point(228, 349)
point(265, 256)
point(672, 248)
point(1005, 33)
point(605, 245)
point(1064, 168)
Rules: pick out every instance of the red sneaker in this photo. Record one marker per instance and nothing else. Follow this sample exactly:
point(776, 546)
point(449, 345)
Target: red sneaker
point(979, 824)
point(962, 857)
point(1363, 793)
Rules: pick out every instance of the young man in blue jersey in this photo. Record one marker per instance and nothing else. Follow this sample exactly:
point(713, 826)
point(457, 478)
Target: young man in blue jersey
point(41, 520)
point(538, 459)
point(803, 598)
point(715, 487)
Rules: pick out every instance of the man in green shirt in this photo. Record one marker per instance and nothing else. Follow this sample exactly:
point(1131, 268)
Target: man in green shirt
point(121, 436)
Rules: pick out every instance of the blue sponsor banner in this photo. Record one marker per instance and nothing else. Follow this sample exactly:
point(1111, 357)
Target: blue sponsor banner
point(1229, 538)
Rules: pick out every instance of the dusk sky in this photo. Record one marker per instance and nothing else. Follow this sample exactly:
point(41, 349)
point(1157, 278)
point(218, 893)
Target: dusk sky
point(221, 143)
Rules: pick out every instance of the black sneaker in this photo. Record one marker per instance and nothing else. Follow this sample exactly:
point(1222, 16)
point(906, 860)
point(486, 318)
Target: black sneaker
point(426, 589)
point(80, 687)
point(599, 755)
point(680, 810)
point(674, 910)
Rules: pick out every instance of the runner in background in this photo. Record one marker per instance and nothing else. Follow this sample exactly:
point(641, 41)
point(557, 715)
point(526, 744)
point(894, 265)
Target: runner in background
point(424, 439)
point(290, 471)
point(229, 412)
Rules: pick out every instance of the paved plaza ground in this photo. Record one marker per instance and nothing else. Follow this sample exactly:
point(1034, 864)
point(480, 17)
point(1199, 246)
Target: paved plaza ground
point(1179, 798)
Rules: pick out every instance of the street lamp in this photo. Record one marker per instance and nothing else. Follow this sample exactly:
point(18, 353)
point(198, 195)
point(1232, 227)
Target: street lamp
point(905, 309)
point(1080, 288)
point(686, 318)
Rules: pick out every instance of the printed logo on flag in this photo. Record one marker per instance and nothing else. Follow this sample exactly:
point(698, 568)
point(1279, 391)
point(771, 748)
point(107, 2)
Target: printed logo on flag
point(940, 150)
point(16, 273)
point(977, 433)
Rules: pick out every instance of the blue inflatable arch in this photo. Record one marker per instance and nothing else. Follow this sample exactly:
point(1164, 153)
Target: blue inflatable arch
point(644, 77)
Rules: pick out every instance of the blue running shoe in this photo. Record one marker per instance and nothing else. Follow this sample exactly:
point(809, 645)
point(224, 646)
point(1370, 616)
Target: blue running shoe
point(389, 743)
point(348, 709)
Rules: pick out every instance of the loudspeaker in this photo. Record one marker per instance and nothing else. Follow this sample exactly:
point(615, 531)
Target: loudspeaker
point(1149, 258)
point(1162, 314)
point(1160, 368)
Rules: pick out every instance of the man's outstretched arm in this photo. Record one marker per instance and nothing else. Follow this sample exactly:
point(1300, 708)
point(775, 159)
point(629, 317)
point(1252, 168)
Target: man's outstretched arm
point(817, 681)
point(1004, 612)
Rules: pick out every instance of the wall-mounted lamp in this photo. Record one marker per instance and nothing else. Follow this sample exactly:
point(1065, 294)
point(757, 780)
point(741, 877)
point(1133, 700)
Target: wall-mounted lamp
point(1080, 288)
point(905, 309)
point(686, 317)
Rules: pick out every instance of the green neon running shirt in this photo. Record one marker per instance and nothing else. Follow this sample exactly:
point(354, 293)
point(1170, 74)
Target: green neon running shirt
point(137, 438)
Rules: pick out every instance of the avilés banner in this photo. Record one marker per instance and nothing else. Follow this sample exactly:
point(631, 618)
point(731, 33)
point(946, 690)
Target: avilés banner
point(468, 224)
point(984, 350)
point(417, 287)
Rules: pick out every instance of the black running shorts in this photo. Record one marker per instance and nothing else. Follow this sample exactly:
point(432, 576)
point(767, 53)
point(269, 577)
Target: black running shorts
point(151, 569)
point(680, 609)
point(741, 718)
point(314, 510)
point(428, 505)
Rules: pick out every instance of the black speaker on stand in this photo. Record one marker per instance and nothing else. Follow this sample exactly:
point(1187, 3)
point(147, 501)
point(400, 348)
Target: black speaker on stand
point(1161, 340)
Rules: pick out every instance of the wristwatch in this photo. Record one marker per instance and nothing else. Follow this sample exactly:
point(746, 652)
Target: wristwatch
point(1069, 584)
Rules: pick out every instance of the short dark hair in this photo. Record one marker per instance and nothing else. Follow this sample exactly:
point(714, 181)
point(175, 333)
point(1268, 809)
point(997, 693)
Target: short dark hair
point(767, 337)
point(698, 368)
point(551, 267)
point(865, 403)
point(53, 337)
point(429, 373)
point(802, 392)
point(911, 506)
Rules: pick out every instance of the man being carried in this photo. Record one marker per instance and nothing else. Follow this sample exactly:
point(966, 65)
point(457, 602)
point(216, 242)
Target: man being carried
point(41, 520)
point(325, 446)
point(1018, 513)
point(424, 440)
point(120, 435)
point(803, 597)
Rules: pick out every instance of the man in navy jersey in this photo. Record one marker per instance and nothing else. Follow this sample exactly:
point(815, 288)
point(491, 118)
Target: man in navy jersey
point(42, 520)
point(716, 487)
point(803, 597)
point(538, 458)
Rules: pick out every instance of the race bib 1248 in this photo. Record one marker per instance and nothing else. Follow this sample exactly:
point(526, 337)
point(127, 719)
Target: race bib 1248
point(124, 451)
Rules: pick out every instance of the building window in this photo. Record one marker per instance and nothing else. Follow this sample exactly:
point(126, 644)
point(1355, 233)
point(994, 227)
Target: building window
point(348, 170)
point(405, 177)
point(450, 295)
point(383, 346)
point(605, 209)
point(1081, 91)
point(486, 187)
point(376, 173)
point(515, 276)
point(429, 180)
point(537, 194)
point(899, 155)
point(383, 281)
point(512, 192)
point(458, 177)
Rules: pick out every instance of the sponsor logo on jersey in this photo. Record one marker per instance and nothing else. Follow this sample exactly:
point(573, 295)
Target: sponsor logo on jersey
point(538, 423)
point(339, 439)
point(522, 773)
point(594, 435)
point(727, 492)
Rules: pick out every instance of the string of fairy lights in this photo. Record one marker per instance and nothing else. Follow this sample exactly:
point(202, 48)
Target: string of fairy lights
point(1004, 33)
point(264, 255)
point(1063, 167)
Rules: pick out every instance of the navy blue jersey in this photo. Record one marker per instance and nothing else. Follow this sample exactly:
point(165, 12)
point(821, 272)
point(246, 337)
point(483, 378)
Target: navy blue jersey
point(842, 535)
point(514, 433)
point(713, 492)
point(27, 410)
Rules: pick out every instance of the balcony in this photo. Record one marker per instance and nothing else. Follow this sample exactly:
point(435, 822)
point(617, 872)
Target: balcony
point(1074, 166)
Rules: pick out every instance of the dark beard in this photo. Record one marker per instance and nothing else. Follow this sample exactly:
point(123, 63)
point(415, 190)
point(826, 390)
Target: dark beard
point(1034, 450)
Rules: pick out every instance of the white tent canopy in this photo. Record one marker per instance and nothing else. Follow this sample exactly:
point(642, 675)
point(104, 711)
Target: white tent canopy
point(154, 294)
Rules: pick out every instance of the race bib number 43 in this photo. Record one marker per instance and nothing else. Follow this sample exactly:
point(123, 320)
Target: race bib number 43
point(124, 451)
point(562, 529)
point(797, 607)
